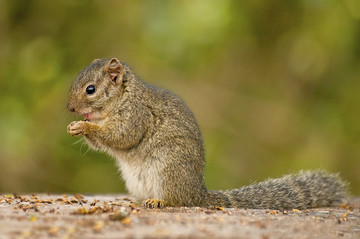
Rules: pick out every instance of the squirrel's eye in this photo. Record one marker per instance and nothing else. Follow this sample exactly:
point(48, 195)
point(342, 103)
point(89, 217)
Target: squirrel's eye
point(90, 89)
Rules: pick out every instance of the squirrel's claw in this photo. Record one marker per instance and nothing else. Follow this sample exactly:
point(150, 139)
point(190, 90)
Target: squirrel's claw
point(76, 128)
point(154, 203)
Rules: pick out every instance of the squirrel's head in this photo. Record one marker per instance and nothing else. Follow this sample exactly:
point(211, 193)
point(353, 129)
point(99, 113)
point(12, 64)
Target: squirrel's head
point(94, 89)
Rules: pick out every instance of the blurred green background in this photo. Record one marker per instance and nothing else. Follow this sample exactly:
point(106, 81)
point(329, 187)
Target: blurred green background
point(275, 85)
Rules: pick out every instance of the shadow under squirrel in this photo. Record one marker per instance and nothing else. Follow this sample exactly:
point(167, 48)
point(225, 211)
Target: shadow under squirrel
point(158, 147)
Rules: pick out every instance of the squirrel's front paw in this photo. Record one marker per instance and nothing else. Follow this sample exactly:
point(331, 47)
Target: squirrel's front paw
point(76, 128)
point(154, 203)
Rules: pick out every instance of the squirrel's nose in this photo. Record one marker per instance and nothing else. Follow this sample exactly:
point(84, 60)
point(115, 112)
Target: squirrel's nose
point(70, 108)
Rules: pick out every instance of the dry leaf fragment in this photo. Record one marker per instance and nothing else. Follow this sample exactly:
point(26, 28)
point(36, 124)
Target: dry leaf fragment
point(99, 225)
point(81, 210)
point(295, 210)
point(106, 209)
point(126, 221)
point(273, 212)
point(115, 203)
point(9, 200)
point(27, 207)
point(16, 196)
point(219, 208)
point(67, 201)
point(92, 210)
point(84, 211)
point(74, 200)
point(346, 207)
point(78, 196)
point(47, 201)
point(93, 203)
point(23, 199)
point(118, 216)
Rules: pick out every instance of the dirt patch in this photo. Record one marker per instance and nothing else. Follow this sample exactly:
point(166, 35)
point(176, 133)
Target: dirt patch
point(118, 216)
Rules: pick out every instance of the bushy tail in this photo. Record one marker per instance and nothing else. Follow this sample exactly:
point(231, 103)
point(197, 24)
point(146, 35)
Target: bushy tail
point(306, 189)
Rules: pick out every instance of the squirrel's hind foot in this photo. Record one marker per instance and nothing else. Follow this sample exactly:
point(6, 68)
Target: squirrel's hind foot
point(154, 203)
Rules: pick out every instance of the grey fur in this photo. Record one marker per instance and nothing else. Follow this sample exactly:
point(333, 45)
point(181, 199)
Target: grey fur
point(158, 147)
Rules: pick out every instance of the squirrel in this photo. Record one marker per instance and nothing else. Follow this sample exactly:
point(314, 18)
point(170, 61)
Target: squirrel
point(158, 147)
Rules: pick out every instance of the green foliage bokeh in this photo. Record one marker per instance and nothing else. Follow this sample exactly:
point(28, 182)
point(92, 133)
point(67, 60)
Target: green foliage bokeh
point(274, 85)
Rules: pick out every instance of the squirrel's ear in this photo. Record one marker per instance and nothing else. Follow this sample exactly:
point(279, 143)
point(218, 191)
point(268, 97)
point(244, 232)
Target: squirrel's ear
point(95, 60)
point(115, 70)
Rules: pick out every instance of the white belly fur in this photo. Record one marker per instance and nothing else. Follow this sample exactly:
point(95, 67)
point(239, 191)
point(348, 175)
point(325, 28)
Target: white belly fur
point(142, 182)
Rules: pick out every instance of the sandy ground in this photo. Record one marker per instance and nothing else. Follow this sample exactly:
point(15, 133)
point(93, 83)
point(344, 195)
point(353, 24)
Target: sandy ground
point(117, 216)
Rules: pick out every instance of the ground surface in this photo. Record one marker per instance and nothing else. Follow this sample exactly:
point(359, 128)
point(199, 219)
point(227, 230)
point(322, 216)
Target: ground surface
point(117, 216)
